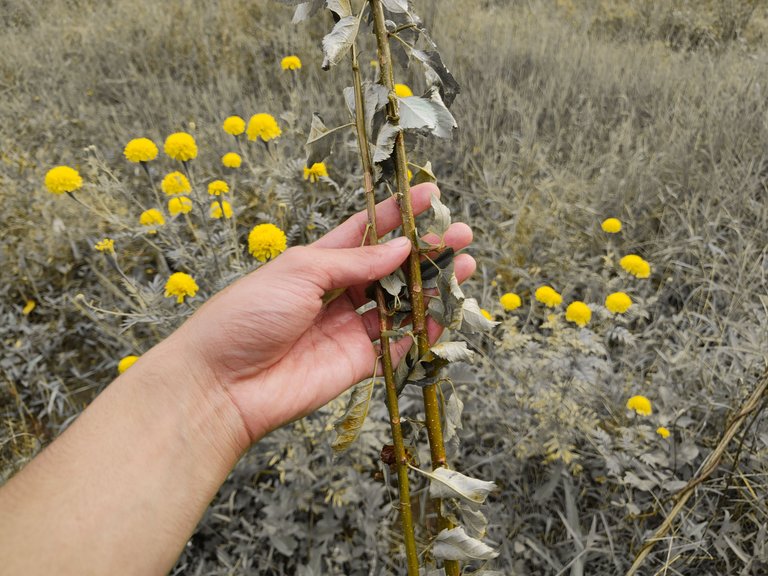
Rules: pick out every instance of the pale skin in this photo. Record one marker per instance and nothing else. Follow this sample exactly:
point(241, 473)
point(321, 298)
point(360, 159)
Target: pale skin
point(122, 490)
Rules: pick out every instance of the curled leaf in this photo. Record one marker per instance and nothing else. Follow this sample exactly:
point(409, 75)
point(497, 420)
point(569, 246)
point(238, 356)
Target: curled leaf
point(339, 40)
point(427, 113)
point(453, 351)
point(349, 425)
point(454, 544)
point(447, 483)
point(441, 216)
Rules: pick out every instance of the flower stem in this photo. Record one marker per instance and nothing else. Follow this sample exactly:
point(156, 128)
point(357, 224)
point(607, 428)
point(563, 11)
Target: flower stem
point(403, 194)
point(406, 515)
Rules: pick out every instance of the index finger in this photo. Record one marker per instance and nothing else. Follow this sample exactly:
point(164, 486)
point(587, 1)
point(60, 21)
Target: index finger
point(350, 233)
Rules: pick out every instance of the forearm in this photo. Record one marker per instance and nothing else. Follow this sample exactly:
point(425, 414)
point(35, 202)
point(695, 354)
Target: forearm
point(123, 488)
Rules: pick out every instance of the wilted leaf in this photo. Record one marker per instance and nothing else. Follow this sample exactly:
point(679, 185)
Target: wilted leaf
point(423, 174)
point(341, 8)
point(447, 310)
point(472, 320)
point(320, 141)
point(447, 483)
point(441, 216)
point(385, 142)
point(375, 97)
point(339, 41)
point(348, 426)
point(396, 5)
point(453, 410)
point(454, 544)
point(474, 521)
point(420, 113)
point(453, 351)
point(438, 75)
point(393, 283)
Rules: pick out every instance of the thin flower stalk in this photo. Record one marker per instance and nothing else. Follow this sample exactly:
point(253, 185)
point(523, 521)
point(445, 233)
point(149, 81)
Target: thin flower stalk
point(431, 402)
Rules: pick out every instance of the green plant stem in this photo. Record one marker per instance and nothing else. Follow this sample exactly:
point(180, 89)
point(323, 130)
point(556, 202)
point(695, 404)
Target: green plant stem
point(431, 403)
point(406, 515)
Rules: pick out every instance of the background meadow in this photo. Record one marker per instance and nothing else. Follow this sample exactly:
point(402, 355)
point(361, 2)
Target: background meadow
point(570, 112)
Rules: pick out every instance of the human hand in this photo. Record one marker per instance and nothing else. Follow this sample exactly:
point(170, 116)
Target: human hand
point(272, 345)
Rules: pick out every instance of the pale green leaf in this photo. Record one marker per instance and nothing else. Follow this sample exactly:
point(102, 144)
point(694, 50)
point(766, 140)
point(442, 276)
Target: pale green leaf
point(454, 544)
point(453, 410)
point(396, 5)
point(447, 483)
point(441, 216)
point(423, 174)
point(426, 113)
point(472, 320)
point(453, 351)
point(321, 140)
point(385, 142)
point(393, 283)
point(338, 42)
point(341, 8)
point(349, 425)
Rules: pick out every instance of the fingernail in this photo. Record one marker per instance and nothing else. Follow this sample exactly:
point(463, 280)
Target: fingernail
point(399, 243)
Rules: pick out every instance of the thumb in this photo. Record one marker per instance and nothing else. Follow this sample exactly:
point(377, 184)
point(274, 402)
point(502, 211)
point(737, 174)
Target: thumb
point(331, 268)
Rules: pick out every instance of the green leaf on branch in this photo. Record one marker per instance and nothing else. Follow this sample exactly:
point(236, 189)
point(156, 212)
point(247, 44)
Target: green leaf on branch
point(447, 483)
point(454, 544)
point(441, 216)
point(472, 320)
point(427, 113)
point(375, 97)
point(348, 426)
point(341, 8)
point(320, 142)
point(393, 283)
point(453, 351)
point(338, 42)
point(438, 75)
point(385, 142)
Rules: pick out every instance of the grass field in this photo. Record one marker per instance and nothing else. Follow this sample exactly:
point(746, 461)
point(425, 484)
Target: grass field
point(570, 112)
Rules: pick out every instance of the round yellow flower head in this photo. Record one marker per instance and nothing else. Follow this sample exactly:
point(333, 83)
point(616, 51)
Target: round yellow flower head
point(181, 146)
point(611, 225)
point(106, 245)
point(263, 126)
point(618, 302)
point(510, 301)
point(63, 179)
point(640, 404)
point(152, 217)
point(231, 160)
point(28, 307)
point(216, 210)
point(578, 313)
point(486, 314)
point(140, 150)
point(175, 183)
point(126, 363)
point(663, 432)
point(548, 296)
point(266, 241)
point(180, 284)
point(317, 171)
point(403, 91)
point(217, 188)
point(234, 125)
point(291, 63)
point(636, 266)
point(179, 205)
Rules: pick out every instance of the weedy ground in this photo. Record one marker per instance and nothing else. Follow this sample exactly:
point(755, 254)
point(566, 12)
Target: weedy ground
point(570, 113)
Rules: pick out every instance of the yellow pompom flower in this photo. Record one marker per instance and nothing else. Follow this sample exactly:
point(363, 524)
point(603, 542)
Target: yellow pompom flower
point(266, 241)
point(126, 363)
point(231, 160)
point(578, 313)
point(28, 307)
point(216, 210)
point(611, 225)
point(618, 302)
point(140, 150)
point(291, 63)
point(263, 126)
point(487, 315)
point(217, 188)
point(234, 125)
point(175, 183)
point(663, 432)
point(510, 301)
point(106, 245)
point(548, 296)
point(180, 284)
point(403, 91)
point(640, 404)
point(63, 179)
point(179, 205)
point(317, 171)
point(152, 217)
point(636, 266)
point(181, 146)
